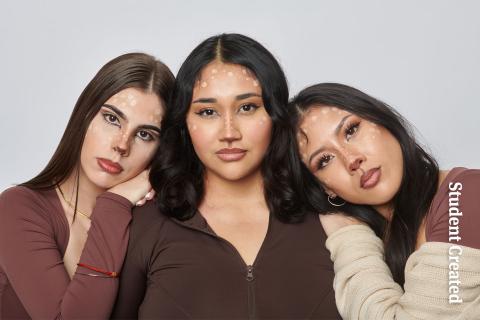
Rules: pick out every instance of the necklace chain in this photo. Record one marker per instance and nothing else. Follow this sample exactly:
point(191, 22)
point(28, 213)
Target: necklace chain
point(70, 204)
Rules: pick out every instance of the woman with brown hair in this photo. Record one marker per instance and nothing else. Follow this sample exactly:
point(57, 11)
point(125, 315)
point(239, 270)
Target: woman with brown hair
point(64, 233)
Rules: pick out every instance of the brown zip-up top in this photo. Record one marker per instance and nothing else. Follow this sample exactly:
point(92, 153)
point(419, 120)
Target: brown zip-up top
point(183, 270)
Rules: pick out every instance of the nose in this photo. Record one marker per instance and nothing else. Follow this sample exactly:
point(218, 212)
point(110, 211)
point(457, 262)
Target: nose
point(353, 159)
point(122, 144)
point(230, 131)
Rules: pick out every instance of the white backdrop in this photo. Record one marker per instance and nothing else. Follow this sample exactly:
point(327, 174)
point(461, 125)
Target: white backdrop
point(422, 57)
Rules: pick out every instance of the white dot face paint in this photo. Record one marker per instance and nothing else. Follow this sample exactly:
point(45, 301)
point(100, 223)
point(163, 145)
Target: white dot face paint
point(204, 84)
point(255, 83)
point(214, 71)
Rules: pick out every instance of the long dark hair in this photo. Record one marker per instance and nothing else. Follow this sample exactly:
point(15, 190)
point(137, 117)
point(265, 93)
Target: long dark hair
point(131, 70)
point(177, 174)
point(420, 170)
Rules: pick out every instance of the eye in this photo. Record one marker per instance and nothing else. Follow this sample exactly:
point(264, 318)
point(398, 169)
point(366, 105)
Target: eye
point(111, 118)
point(323, 161)
point(248, 108)
point(351, 130)
point(145, 135)
point(207, 113)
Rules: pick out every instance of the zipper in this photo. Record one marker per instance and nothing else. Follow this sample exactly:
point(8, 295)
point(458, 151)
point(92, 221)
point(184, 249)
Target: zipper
point(249, 276)
point(250, 273)
point(251, 292)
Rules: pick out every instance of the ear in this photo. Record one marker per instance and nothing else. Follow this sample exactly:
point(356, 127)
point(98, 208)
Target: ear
point(329, 192)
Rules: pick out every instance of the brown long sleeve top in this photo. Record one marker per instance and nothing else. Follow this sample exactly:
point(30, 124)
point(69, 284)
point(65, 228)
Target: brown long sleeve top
point(34, 235)
point(183, 270)
point(459, 192)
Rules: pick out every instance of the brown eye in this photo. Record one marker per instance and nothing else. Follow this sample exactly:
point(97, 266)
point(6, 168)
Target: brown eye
point(323, 162)
point(111, 118)
point(248, 108)
point(206, 113)
point(145, 135)
point(351, 130)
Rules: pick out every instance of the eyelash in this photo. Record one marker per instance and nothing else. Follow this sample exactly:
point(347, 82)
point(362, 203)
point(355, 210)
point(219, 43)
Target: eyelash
point(116, 122)
point(321, 162)
point(350, 130)
point(253, 107)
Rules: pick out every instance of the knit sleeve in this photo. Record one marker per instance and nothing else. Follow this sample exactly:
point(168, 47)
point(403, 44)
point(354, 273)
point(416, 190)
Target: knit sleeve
point(365, 289)
point(33, 264)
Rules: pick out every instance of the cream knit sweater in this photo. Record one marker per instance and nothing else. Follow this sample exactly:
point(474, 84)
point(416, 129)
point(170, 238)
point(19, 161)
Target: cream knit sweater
point(365, 289)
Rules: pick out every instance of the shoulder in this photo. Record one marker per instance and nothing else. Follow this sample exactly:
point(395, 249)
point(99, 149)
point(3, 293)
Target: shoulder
point(146, 222)
point(455, 208)
point(458, 183)
point(22, 208)
point(21, 199)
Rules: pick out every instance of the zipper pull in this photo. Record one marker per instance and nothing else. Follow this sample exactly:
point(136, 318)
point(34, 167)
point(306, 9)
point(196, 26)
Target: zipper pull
point(250, 273)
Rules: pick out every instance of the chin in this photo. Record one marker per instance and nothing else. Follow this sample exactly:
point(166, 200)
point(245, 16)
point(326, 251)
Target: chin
point(103, 180)
point(234, 174)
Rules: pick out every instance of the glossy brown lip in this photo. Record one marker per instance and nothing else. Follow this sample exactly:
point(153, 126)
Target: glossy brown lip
point(231, 154)
point(230, 151)
point(370, 178)
point(109, 166)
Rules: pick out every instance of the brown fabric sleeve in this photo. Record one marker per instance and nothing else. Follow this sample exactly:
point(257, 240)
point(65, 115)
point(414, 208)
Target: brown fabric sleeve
point(32, 261)
point(437, 225)
point(145, 232)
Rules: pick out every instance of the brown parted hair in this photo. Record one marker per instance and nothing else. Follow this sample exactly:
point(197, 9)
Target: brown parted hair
point(131, 70)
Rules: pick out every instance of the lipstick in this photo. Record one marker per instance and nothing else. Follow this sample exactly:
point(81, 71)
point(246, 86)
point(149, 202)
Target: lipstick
point(370, 178)
point(109, 166)
point(231, 154)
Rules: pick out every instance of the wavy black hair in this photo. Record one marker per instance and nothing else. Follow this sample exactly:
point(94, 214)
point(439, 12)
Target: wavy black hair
point(177, 174)
point(420, 170)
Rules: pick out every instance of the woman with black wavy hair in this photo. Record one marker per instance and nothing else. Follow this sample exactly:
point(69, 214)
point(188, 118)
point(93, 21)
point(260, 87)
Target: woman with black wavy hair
point(230, 235)
point(363, 153)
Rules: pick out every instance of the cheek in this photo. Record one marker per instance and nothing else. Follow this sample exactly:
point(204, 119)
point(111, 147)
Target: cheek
point(141, 156)
point(202, 134)
point(258, 131)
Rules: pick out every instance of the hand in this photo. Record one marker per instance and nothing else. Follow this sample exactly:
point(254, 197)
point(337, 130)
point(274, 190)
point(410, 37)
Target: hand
point(137, 190)
point(336, 221)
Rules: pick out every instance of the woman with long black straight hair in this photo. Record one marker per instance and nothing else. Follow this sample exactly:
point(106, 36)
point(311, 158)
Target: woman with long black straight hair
point(363, 154)
point(231, 234)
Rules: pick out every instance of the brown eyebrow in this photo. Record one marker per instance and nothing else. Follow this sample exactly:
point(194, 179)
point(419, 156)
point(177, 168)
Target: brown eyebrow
point(116, 110)
point(337, 130)
point(238, 97)
point(122, 115)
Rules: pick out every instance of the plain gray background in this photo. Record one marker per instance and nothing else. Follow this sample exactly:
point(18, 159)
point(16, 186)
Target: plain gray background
point(422, 57)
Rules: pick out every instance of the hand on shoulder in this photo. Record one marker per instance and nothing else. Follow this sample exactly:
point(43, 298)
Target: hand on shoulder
point(332, 222)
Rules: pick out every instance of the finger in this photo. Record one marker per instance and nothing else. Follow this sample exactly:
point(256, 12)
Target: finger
point(149, 196)
point(140, 202)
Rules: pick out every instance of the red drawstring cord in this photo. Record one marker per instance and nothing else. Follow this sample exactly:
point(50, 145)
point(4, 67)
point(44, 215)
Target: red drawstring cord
point(112, 274)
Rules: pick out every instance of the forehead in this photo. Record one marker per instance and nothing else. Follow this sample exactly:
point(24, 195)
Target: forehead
point(322, 118)
point(218, 79)
point(138, 105)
